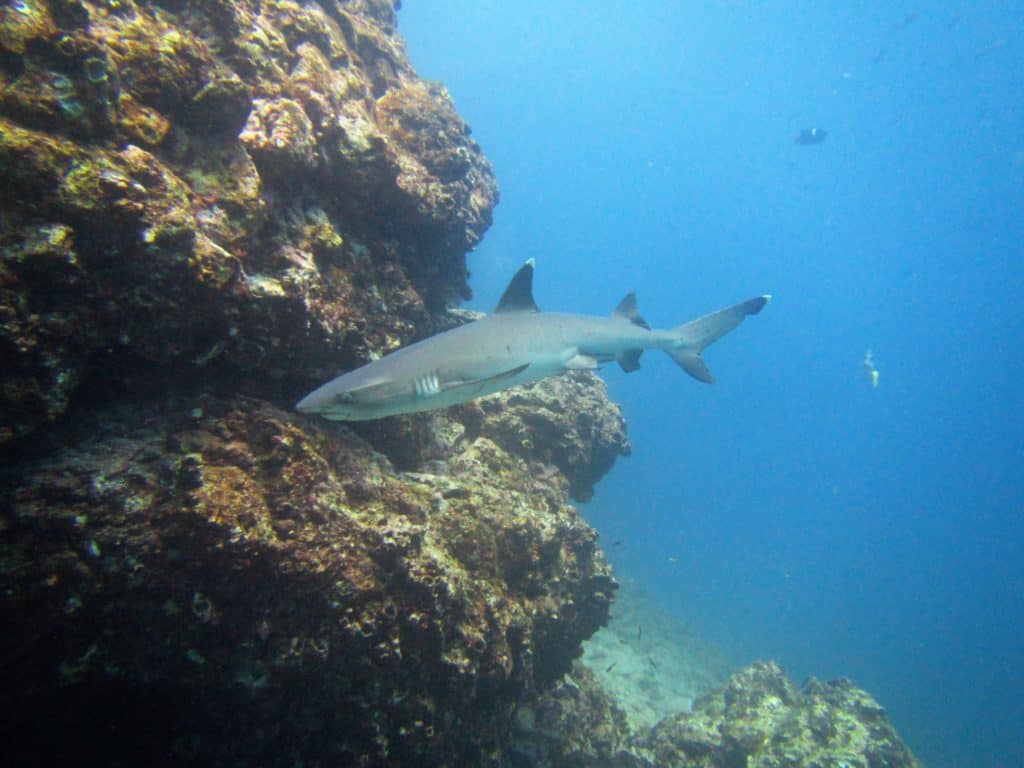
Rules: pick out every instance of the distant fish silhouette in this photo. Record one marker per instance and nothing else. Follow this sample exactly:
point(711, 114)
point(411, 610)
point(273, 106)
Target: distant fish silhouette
point(809, 136)
point(995, 45)
point(909, 19)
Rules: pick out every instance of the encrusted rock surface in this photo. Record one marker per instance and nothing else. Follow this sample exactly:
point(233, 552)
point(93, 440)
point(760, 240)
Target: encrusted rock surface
point(759, 719)
point(563, 422)
point(226, 186)
point(574, 724)
point(244, 586)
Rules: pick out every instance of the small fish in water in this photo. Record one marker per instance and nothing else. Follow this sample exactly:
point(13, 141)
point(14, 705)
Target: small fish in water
point(639, 632)
point(617, 542)
point(652, 662)
point(870, 370)
point(809, 136)
point(611, 666)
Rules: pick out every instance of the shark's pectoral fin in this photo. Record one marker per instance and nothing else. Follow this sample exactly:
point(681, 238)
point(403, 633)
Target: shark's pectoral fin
point(581, 362)
point(483, 381)
point(630, 360)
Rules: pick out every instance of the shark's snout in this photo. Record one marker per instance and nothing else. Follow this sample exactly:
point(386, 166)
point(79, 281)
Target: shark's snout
point(316, 401)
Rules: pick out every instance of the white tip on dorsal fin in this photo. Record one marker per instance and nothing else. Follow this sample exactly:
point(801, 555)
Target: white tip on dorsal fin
point(518, 297)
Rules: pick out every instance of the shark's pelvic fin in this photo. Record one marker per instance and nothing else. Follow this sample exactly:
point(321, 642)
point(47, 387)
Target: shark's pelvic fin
point(695, 336)
point(518, 297)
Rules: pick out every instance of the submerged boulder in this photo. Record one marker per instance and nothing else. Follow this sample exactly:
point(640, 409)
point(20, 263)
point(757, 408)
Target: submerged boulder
point(758, 719)
point(762, 720)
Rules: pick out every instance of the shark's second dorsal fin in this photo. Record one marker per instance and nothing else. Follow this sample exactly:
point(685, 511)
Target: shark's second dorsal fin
point(518, 297)
point(627, 309)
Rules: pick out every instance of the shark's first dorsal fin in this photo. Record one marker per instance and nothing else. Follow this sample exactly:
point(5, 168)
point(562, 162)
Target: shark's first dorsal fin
point(518, 297)
point(627, 309)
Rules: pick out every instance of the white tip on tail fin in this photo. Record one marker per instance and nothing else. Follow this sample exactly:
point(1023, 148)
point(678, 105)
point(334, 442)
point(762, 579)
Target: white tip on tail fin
point(696, 335)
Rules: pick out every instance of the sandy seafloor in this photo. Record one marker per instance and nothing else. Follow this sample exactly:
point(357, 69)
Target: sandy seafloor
point(649, 662)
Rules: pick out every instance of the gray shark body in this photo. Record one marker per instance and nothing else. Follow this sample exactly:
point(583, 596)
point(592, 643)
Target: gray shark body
point(516, 344)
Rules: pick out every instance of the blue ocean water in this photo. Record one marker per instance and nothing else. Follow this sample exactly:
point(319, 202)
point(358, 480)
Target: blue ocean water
point(790, 511)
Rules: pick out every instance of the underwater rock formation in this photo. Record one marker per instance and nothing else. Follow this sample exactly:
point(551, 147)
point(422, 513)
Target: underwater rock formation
point(757, 720)
point(575, 724)
point(565, 422)
point(762, 720)
point(242, 585)
point(222, 186)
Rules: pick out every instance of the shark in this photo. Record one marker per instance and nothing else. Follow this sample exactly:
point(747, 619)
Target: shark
point(515, 344)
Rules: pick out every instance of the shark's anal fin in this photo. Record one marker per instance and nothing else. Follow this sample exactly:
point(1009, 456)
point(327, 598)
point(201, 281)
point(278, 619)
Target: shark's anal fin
point(518, 297)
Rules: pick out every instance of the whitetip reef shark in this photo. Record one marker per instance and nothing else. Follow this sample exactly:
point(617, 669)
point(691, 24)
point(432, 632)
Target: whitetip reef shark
point(515, 344)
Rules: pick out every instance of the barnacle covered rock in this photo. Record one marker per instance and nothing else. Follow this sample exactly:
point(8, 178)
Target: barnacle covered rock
point(245, 187)
point(275, 574)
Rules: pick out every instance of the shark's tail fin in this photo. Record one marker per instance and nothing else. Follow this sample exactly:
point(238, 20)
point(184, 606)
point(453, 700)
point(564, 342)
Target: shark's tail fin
point(697, 334)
